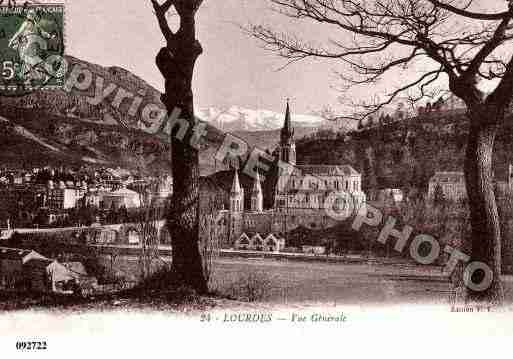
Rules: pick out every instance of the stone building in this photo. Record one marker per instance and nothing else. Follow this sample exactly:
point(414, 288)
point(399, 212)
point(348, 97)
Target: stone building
point(314, 187)
point(451, 184)
point(122, 197)
point(312, 196)
point(61, 196)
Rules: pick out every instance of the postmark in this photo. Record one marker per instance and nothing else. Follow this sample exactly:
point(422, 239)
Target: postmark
point(31, 47)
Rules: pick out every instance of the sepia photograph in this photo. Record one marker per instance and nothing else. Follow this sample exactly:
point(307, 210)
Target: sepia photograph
point(194, 177)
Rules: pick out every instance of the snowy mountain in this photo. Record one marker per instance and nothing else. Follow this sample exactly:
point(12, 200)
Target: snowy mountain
point(241, 119)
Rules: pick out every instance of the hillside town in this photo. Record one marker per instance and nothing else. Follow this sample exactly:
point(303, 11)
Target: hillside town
point(58, 197)
point(131, 172)
point(292, 178)
point(102, 206)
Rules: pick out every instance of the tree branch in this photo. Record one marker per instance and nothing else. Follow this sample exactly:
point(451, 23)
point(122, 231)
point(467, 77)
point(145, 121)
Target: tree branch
point(503, 92)
point(489, 47)
point(160, 13)
point(470, 14)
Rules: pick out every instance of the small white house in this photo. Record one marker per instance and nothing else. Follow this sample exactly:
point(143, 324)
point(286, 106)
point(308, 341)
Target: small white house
point(243, 242)
point(271, 243)
point(257, 243)
point(451, 184)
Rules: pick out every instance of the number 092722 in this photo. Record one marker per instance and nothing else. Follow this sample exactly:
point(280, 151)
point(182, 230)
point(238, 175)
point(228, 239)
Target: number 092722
point(31, 345)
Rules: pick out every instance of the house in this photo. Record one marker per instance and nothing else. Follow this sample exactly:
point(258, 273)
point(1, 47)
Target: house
point(79, 273)
point(257, 242)
point(91, 198)
point(121, 197)
point(243, 242)
point(28, 270)
point(38, 274)
point(11, 266)
point(133, 236)
point(61, 196)
point(450, 184)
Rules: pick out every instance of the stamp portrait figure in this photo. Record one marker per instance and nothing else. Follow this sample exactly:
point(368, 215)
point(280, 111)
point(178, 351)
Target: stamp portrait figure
point(31, 44)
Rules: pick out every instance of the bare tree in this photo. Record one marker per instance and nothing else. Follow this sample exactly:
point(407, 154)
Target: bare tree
point(176, 62)
point(210, 238)
point(457, 43)
point(147, 221)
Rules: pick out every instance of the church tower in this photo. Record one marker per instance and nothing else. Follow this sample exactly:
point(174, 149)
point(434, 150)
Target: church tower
point(236, 195)
point(257, 198)
point(236, 214)
point(287, 145)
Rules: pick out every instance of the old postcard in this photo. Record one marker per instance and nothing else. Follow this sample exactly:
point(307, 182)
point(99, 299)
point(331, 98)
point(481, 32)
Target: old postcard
point(235, 177)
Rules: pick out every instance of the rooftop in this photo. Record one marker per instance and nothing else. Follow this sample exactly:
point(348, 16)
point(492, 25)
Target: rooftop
point(327, 170)
point(19, 254)
point(448, 177)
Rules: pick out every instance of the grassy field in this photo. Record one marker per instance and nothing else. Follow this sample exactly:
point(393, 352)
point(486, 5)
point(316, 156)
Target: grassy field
point(291, 282)
point(274, 283)
point(296, 282)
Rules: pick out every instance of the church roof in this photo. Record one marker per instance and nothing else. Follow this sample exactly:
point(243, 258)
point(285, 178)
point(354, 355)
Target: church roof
point(19, 254)
point(327, 170)
point(263, 235)
point(122, 192)
point(450, 177)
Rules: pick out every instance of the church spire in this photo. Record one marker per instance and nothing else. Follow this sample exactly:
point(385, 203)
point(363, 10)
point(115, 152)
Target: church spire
point(287, 146)
point(287, 132)
point(236, 189)
point(257, 199)
point(236, 195)
point(257, 187)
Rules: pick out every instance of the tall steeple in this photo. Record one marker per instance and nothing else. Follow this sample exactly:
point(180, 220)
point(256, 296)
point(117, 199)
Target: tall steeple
point(236, 195)
point(257, 198)
point(236, 189)
point(287, 144)
point(287, 132)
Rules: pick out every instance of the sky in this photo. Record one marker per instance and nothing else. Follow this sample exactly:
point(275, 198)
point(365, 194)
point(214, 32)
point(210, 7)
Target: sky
point(234, 68)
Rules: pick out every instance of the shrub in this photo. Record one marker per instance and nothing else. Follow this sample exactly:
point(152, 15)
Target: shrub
point(250, 287)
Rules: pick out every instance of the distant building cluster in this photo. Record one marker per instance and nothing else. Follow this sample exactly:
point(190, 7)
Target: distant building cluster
point(441, 107)
point(451, 186)
point(450, 105)
point(57, 192)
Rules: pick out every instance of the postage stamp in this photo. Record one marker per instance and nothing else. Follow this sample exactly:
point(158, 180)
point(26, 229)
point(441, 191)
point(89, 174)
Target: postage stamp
point(31, 47)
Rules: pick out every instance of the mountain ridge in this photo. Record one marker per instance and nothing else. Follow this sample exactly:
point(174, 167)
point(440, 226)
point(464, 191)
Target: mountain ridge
point(237, 118)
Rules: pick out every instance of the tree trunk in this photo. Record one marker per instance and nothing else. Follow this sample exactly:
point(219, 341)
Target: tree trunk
point(485, 241)
point(183, 219)
point(177, 65)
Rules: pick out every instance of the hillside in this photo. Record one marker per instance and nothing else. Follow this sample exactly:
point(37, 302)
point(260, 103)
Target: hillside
point(405, 154)
point(270, 139)
point(59, 127)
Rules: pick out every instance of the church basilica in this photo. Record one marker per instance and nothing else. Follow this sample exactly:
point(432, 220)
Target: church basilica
point(312, 196)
